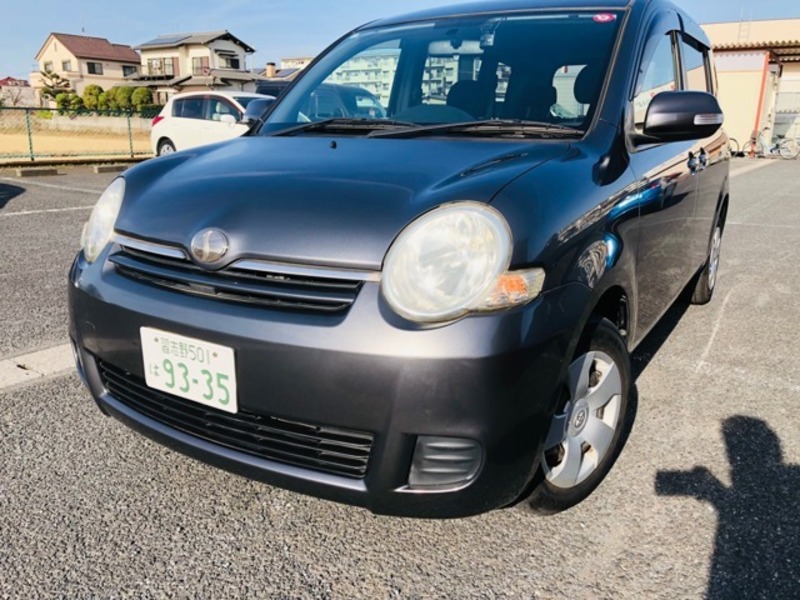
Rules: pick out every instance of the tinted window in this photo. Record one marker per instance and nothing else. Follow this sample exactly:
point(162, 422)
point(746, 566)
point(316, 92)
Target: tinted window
point(189, 108)
point(372, 70)
point(659, 76)
point(324, 105)
point(245, 100)
point(694, 63)
point(466, 68)
point(218, 107)
point(576, 86)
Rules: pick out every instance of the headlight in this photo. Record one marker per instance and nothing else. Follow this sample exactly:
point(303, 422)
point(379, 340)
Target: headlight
point(453, 261)
point(100, 227)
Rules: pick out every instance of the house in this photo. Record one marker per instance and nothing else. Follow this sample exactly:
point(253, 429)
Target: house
point(188, 62)
point(16, 92)
point(84, 60)
point(758, 65)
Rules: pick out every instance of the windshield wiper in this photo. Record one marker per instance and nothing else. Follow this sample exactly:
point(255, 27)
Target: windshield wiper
point(340, 123)
point(488, 126)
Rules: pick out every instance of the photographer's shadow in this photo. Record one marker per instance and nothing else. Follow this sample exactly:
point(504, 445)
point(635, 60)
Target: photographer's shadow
point(757, 552)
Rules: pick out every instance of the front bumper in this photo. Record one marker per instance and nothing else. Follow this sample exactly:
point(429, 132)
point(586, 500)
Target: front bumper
point(493, 379)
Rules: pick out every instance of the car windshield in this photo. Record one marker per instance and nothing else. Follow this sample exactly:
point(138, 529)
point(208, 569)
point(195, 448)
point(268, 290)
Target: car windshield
point(539, 68)
point(245, 100)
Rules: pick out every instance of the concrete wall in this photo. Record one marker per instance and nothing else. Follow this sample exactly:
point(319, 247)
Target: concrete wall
point(741, 76)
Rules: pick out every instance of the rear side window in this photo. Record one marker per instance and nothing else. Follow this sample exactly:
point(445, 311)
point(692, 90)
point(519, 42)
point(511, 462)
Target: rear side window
point(659, 75)
point(189, 108)
point(695, 59)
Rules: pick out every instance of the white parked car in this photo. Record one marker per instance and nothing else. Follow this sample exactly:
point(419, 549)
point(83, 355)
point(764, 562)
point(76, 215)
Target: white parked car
point(200, 118)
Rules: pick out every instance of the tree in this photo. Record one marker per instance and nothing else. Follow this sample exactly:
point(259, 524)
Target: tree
point(141, 96)
point(91, 95)
point(53, 84)
point(12, 96)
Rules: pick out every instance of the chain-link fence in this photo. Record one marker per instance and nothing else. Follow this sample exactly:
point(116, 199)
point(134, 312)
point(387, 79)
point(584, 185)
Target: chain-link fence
point(35, 134)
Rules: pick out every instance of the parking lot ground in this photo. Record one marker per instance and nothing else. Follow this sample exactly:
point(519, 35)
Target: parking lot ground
point(703, 501)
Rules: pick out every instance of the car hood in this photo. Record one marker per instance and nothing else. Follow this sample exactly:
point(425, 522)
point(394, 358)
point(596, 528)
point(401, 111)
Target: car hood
point(312, 200)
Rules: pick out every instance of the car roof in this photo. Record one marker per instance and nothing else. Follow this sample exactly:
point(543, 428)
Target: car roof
point(226, 94)
point(499, 6)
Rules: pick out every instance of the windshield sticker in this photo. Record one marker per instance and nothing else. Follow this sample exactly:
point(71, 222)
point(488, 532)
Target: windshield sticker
point(605, 18)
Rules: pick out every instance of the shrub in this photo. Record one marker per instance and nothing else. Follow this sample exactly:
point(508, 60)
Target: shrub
point(62, 100)
point(111, 99)
point(122, 97)
point(141, 97)
point(91, 95)
point(75, 102)
point(102, 101)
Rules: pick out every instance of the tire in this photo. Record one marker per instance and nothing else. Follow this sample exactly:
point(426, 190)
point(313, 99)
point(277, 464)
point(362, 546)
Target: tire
point(733, 144)
point(790, 149)
point(166, 146)
point(589, 430)
point(707, 278)
point(751, 150)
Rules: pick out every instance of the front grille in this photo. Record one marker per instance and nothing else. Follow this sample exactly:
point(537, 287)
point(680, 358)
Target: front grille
point(235, 284)
point(327, 449)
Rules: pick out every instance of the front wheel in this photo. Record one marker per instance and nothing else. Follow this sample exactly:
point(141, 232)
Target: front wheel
point(790, 149)
point(589, 430)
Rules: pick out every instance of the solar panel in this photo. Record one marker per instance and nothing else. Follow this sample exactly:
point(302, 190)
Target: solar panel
point(167, 39)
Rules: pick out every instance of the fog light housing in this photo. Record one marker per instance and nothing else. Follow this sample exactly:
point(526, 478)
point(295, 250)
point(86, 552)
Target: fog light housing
point(76, 355)
point(444, 462)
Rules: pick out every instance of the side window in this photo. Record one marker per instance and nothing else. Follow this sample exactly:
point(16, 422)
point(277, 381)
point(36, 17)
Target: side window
point(189, 108)
point(660, 75)
point(177, 108)
point(218, 107)
point(695, 59)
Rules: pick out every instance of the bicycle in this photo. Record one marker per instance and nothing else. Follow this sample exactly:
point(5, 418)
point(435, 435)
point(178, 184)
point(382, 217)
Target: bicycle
point(762, 147)
point(733, 145)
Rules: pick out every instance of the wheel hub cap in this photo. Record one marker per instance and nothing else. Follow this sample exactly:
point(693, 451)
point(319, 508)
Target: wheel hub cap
point(582, 434)
point(580, 417)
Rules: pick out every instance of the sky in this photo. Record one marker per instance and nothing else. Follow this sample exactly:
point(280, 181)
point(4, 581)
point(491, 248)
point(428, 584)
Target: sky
point(275, 28)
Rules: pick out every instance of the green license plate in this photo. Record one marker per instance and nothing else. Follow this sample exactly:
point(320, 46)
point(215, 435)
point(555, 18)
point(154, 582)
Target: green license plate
point(192, 369)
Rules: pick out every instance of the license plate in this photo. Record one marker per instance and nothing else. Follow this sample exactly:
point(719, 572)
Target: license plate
point(192, 369)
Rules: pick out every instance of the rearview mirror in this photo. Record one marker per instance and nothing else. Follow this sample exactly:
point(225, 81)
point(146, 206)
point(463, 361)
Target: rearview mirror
point(256, 109)
point(682, 116)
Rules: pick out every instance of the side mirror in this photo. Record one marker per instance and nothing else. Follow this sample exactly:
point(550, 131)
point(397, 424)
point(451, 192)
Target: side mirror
point(228, 120)
point(682, 116)
point(256, 109)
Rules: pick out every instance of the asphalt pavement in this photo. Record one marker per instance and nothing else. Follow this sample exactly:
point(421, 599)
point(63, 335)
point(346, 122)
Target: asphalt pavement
point(702, 503)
